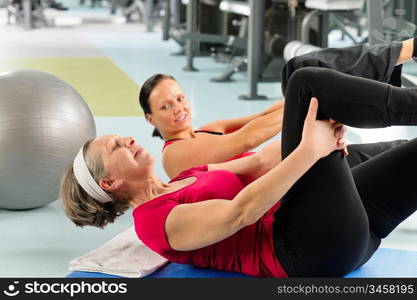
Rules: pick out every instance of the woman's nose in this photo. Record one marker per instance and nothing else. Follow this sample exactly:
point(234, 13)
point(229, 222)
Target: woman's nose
point(177, 107)
point(130, 141)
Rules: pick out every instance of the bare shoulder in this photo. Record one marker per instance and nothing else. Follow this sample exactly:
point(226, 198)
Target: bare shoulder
point(214, 127)
point(183, 149)
point(204, 149)
point(203, 142)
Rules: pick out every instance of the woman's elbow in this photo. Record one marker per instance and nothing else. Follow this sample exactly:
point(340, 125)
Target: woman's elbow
point(246, 215)
point(249, 218)
point(255, 139)
point(252, 142)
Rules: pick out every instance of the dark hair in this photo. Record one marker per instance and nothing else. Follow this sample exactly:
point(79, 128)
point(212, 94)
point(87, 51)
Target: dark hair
point(146, 91)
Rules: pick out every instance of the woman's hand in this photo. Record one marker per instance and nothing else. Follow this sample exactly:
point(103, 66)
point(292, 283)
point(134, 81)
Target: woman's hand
point(339, 133)
point(321, 137)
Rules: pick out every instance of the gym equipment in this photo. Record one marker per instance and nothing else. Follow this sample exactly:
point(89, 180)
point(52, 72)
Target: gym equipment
point(130, 8)
point(173, 23)
point(255, 44)
point(384, 263)
point(282, 24)
point(277, 31)
point(30, 13)
point(27, 13)
point(383, 27)
point(203, 26)
point(210, 28)
point(43, 124)
point(330, 13)
point(238, 61)
point(145, 11)
point(268, 32)
point(385, 20)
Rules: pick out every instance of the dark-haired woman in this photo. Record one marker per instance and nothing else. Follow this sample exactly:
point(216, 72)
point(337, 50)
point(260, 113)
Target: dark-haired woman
point(166, 107)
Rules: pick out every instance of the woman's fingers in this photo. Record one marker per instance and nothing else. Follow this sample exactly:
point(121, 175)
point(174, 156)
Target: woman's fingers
point(339, 128)
point(342, 145)
point(312, 110)
point(321, 137)
point(339, 131)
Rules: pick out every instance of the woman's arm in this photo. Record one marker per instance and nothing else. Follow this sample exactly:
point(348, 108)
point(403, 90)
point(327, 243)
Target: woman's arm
point(207, 148)
point(231, 125)
point(254, 165)
point(192, 226)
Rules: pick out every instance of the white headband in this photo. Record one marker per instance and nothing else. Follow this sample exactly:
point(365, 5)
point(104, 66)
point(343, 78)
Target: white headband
point(84, 178)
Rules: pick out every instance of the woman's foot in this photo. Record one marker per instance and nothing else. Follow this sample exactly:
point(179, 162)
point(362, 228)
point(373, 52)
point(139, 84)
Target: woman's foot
point(414, 48)
point(407, 51)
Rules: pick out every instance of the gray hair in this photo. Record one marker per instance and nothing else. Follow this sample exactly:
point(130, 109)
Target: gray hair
point(79, 206)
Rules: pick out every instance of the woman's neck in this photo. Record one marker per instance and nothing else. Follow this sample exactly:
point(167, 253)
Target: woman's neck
point(154, 187)
point(147, 189)
point(181, 135)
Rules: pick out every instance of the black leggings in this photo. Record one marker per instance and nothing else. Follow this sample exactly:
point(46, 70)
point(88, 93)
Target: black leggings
point(333, 219)
point(377, 62)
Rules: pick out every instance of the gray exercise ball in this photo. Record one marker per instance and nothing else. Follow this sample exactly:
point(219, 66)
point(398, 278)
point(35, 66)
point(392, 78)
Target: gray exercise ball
point(43, 123)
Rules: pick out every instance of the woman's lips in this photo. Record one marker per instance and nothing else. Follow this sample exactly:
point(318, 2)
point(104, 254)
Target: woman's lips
point(182, 117)
point(138, 151)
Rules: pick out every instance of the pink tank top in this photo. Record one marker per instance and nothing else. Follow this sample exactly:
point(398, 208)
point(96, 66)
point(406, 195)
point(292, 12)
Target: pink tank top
point(249, 251)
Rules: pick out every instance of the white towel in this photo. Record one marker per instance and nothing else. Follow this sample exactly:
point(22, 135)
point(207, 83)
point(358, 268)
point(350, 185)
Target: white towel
point(124, 255)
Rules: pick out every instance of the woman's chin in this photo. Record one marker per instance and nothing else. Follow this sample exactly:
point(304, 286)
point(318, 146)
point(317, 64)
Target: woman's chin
point(182, 125)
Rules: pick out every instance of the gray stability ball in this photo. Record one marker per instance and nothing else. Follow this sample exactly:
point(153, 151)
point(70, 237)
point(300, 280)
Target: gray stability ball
point(43, 123)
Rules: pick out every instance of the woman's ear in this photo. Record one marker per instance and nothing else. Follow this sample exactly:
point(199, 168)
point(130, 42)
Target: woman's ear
point(148, 118)
point(110, 185)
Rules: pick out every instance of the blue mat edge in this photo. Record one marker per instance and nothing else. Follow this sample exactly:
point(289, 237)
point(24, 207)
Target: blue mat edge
point(372, 269)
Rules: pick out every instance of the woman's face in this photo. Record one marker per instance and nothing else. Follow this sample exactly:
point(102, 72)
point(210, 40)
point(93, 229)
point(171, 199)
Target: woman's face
point(123, 159)
point(170, 110)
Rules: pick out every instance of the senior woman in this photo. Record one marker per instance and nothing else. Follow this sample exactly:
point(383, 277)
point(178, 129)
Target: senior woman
point(166, 107)
point(309, 215)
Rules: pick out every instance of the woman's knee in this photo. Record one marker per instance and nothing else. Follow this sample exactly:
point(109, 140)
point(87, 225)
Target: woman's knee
point(299, 87)
point(300, 62)
point(309, 82)
point(309, 76)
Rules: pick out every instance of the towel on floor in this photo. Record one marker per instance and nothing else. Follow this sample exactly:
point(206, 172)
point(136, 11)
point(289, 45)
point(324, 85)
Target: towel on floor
point(124, 255)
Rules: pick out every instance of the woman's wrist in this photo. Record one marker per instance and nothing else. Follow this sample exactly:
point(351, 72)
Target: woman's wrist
point(277, 106)
point(308, 153)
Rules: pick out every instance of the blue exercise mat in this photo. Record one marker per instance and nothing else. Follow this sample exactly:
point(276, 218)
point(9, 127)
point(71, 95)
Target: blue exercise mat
point(388, 263)
point(384, 263)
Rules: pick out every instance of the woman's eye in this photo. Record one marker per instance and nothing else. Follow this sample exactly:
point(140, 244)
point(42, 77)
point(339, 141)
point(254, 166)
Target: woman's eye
point(180, 99)
point(165, 107)
point(116, 146)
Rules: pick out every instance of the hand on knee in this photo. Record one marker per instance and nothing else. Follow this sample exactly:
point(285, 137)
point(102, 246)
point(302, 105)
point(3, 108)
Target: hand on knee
point(320, 137)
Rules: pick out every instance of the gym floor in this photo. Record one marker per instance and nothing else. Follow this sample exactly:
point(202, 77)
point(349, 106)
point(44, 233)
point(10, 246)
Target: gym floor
point(106, 62)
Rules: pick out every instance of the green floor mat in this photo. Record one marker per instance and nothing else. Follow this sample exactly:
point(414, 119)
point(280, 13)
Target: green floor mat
point(107, 89)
